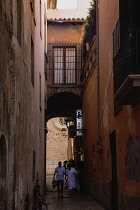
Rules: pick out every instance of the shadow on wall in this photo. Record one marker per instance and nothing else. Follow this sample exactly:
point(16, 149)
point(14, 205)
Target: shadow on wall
point(2, 173)
point(132, 159)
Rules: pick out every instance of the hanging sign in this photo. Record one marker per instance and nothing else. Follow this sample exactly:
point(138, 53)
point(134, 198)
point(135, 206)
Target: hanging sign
point(79, 122)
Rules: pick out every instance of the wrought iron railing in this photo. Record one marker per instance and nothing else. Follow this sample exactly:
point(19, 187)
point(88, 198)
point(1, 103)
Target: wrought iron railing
point(126, 60)
point(64, 64)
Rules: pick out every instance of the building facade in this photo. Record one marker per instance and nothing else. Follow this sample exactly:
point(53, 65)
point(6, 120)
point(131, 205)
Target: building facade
point(111, 107)
point(64, 54)
point(22, 101)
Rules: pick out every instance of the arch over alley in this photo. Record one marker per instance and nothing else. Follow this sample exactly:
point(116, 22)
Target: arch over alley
point(63, 105)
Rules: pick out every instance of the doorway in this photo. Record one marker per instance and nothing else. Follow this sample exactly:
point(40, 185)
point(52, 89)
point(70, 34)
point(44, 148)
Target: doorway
point(114, 184)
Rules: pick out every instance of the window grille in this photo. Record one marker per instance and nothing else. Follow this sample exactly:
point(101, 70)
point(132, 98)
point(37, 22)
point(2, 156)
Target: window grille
point(64, 63)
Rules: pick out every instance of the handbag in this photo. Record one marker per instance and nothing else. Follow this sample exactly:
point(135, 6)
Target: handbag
point(78, 186)
point(54, 183)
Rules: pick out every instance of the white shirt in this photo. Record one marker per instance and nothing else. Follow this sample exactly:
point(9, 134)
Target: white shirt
point(60, 172)
point(71, 178)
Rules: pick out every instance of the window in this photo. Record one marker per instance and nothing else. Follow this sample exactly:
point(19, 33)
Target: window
point(32, 4)
point(40, 91)
point(40, 19)
point(45, 28)
point(64, 65)
point(19, 18)
point(32, 61)
point(34, 162)
point(45, 40)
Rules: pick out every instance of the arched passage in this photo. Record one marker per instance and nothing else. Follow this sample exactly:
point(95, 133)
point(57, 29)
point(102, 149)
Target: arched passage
point(2, 173)
point(63, 105)
point(59, 146)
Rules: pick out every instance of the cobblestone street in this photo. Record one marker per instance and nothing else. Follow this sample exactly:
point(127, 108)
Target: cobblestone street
point(80, 201)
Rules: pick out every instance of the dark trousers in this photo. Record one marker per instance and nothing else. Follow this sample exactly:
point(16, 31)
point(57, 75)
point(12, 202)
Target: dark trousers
point(60, 186)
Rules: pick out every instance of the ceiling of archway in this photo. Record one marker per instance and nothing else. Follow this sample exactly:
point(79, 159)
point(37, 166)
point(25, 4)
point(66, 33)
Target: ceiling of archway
point(63, 104)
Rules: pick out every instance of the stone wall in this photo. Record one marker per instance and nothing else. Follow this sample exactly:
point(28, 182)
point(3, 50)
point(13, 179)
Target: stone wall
point(22, 96)
point(57, 145)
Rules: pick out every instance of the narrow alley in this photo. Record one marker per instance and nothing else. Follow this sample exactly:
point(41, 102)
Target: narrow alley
point(70, 104)
point(80, 201)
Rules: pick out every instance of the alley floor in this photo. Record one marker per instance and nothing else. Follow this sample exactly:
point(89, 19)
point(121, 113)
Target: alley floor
point(79, 201)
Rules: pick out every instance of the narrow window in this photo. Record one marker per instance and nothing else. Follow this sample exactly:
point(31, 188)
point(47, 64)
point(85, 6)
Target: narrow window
point(40, 19)
point(32, 61)
point(33, 172)
point(45, 27)
point(70, 65)
point(45, 39)
point(32, 4)
point(58, 65)
point(40, 91)
point(19, 17)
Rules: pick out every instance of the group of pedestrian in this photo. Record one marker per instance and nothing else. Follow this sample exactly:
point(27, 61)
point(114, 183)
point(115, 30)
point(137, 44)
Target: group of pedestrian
point(66, 173)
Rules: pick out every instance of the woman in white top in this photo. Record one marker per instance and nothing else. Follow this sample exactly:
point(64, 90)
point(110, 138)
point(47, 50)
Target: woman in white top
point(71, 174)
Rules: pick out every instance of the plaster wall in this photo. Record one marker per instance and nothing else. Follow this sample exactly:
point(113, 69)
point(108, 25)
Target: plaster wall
point(125, 123)
point(21, 103)
point(65, 32)
point(127, 120)
point(89, 123)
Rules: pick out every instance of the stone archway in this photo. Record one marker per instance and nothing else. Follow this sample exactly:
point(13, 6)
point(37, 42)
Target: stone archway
point(2, 173)
point(63, 104)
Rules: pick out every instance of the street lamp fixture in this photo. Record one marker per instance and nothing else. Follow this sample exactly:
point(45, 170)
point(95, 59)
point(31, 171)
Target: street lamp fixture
point(63, 130)
point(68, 121)
point(71, 127)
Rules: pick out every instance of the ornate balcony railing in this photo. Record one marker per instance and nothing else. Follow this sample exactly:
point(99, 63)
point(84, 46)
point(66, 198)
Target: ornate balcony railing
point(126, 59)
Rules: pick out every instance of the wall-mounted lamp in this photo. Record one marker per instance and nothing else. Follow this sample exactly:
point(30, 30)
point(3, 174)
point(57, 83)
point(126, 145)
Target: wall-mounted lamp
point(72, 129)
point(68, 121)
point(63, 130)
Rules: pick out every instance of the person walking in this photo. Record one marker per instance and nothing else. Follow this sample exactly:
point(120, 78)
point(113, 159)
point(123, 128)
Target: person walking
point(65, 164)
point(71, 174)
point(59, 173)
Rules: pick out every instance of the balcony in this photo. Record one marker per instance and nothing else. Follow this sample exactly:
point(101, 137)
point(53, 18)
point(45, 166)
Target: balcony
point(64, 66)
point(126, 64)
